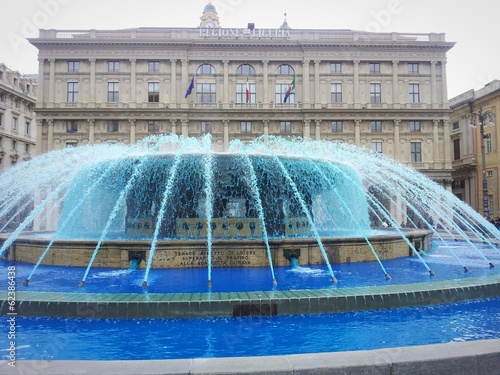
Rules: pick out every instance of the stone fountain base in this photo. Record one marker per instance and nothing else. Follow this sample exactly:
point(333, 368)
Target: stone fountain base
point(225, 253)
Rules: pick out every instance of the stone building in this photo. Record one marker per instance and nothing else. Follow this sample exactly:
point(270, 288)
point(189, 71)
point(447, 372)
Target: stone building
point(17, 117)
point(383, 91)
point(471, 178)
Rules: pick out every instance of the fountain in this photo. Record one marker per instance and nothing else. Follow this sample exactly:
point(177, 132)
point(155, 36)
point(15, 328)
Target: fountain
point(171, 204)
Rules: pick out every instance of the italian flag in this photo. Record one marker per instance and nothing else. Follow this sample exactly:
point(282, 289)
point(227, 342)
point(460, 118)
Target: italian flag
point(247, 91)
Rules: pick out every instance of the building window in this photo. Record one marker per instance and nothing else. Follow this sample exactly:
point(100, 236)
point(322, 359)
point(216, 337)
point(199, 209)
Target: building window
point(113, 92)
point(337, 126)
point(153, 66)
point(416, 152)
point(414, 93)
point(71, 126)
point(113, 66)
point(376, 147)
point(245, 69)
point(285, 69)
point(14, 144)
point(336, 68)
point(376, 126)
point(374, 68)
point(154, 127)
point(246, 126)
point(72, 92)
point(73, 66)
point(285, 127)
point(153, 92)
point(489, 173)
point(375, 93)
point(336, 92)
point(281, 93)
point(205, 93)
point(456, 149)
point(415, 126)
point(27, 127)
point(27, 148)
point(14, 123)
point(112, 126)
point(71, 144)
point(456, 126)
point(1, 120)
point(489, 148)
point(206, 127)
point(412, 68)
point(205, 69)
point(241, 93)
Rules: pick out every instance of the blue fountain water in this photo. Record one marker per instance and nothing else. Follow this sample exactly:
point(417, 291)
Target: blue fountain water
point(143, 339)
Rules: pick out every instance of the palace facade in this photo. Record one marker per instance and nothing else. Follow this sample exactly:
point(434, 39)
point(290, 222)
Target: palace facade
point(477, 181)
point(382, 91)
point(17, 117)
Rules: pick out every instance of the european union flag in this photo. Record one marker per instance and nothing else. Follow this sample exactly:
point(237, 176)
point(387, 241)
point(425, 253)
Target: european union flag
point(190, 88)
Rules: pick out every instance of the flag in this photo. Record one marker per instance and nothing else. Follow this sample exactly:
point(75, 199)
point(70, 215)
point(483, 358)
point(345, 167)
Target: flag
point(190, 88)
point(291, 87)
point(247, 91)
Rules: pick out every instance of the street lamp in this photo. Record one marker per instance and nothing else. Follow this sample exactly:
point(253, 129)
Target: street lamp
point(479, 119)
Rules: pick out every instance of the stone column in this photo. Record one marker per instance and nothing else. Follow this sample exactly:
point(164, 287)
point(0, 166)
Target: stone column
point(397, 154)
point(318, 129)
point(173, 124)
point(52, 81)
point(133, 82)
point(185, 128)
point(225, 93)
point(132, 130)
point(395, 84)
point(92, 90)
point(435, 144)
point(173, 83)
point(357, 134)
point(39, 136)
point(50, 135)
point(266, 128)
point(433, 85)
point(41, 80)
point(185, 82)
point(226, 134)
point(306, 132)
point(317, 92)
point(444, 84)
point(305, 84)
point(355, 88)
point(91, 122)
point(265, 83)
point(447, 151)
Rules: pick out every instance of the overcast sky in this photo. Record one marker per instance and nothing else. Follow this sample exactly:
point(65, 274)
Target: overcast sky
point(472, 25)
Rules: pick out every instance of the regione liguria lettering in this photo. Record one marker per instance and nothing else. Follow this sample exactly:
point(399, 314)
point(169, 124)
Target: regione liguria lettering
point(230, 33)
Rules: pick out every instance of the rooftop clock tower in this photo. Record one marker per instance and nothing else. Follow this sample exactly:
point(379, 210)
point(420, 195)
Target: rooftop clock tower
point(209, 18)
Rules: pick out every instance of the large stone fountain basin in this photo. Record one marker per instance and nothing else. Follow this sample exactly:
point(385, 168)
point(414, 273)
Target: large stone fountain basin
point(242, 252)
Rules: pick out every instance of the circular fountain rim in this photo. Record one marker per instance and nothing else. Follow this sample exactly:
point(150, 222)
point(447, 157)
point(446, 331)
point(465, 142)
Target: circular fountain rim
point(259, 303)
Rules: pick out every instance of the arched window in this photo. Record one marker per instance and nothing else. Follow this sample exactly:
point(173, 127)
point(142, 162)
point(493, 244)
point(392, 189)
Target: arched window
point(206, 88)
point(285, 91)
point(285, 69)
point(205, 69)
point(245, 90)
point(245, 69)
